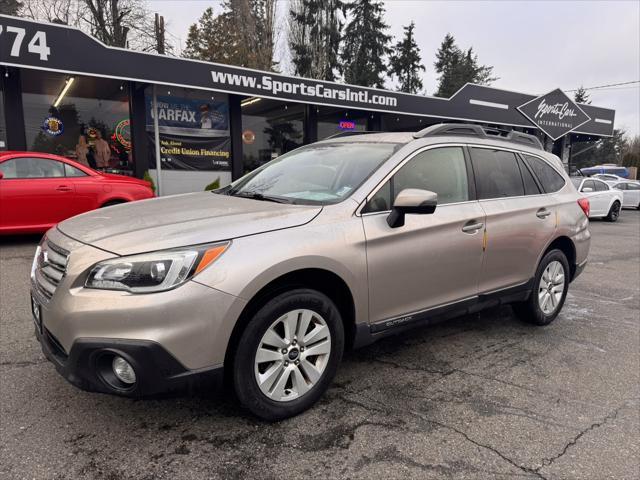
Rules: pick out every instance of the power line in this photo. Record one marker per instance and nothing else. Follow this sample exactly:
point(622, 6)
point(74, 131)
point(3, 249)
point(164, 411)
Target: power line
point(605, 86)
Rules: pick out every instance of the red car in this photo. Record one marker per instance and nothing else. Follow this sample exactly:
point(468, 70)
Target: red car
point(38, 190)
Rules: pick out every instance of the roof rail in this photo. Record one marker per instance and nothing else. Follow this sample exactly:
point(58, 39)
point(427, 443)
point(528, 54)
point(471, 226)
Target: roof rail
point(465, 129)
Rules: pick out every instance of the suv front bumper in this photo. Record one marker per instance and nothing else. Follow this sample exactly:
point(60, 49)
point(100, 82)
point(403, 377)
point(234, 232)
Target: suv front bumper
point(157, 371)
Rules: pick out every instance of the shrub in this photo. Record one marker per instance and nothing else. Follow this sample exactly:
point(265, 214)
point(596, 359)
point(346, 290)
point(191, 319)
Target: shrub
point(213, 185)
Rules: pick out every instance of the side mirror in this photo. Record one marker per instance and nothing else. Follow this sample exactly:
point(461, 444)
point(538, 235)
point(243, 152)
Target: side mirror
point(587, 190)
point(411, 200)
point(1, 174)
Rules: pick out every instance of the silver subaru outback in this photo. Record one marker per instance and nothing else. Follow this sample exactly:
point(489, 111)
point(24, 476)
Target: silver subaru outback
point(329, 247)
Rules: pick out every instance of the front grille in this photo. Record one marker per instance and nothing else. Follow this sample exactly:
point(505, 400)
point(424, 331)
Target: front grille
point(50, 269)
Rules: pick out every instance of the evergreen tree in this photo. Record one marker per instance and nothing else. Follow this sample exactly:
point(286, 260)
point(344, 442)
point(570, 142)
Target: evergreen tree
point(314, 37)
point(581, 96)
point(365, 44)
point(242, 34)
point(457, 67)
point(405, 62)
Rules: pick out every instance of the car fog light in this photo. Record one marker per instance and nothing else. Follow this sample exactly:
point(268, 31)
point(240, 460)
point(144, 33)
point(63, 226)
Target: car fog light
point(123, 371)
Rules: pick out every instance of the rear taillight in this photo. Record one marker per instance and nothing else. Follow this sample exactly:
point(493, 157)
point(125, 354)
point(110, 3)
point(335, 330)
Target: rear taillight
point(584, 205)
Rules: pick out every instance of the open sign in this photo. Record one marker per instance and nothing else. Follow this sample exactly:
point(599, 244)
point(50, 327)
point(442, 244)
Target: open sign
point(346, 125)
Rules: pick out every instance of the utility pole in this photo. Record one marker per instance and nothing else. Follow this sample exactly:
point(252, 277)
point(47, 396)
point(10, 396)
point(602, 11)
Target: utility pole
point(159, 33)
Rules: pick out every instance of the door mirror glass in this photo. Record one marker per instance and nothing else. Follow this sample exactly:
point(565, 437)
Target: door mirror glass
point(411, 200)
point(587, 189)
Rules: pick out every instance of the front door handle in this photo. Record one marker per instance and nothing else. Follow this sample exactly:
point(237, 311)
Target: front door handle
point(64, 188)
point(472, 227)
point(543, 213)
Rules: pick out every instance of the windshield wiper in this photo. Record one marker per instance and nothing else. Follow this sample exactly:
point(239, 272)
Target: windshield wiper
point(260, 196)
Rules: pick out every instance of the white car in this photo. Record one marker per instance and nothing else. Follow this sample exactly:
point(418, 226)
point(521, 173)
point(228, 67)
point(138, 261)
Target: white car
point(608, 178)
point(630, 193)
point(605, 202)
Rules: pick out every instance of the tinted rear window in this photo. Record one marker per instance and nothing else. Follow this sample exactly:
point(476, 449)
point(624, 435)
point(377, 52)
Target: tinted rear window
point(550, 180)
point(497, 173)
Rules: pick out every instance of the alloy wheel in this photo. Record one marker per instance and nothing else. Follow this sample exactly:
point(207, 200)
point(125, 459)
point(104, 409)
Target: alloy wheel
point(551, 287)
point(292, 355)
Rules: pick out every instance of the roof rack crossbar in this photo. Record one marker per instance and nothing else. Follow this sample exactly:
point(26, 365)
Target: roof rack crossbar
point(465, 129)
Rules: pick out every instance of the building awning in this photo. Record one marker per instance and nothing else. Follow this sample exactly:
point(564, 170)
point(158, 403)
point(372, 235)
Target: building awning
point(59, 48)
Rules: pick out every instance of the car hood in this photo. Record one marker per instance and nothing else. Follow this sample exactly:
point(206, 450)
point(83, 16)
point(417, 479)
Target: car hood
point(181, 220)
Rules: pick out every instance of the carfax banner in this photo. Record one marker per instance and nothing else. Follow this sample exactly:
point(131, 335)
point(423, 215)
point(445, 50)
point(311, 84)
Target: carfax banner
point(189, 116)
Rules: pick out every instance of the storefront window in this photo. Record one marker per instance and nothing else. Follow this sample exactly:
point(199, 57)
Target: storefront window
point(269, 129)
point(83, 118)
point(195, 143)
point(334, 120)
point(193, 126)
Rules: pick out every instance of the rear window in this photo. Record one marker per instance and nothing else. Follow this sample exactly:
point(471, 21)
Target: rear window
point(550, 180)
point(601, 186)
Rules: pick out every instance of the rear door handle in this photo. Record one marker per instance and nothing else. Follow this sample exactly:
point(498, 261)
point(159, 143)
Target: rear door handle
point(64, 188)
point(472, 228)
point(543, 213)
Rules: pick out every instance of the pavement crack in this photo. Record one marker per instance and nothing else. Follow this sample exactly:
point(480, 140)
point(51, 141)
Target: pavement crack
point(443, 373)
point(24, 363)
point(612, 416)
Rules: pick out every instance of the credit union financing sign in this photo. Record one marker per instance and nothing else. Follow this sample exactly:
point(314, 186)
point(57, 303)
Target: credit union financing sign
point(554, 113)
point(67, 50)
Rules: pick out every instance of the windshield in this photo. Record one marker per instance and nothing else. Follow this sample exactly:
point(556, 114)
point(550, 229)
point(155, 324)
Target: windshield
point(322, 173)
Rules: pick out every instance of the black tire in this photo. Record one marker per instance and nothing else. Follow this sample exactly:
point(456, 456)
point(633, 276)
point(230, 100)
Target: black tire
point(112, 203)
point(530, 310)
point(244, 381)
point(614, 212)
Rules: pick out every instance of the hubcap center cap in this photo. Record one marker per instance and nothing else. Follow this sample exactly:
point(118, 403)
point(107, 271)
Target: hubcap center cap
point(293, 354)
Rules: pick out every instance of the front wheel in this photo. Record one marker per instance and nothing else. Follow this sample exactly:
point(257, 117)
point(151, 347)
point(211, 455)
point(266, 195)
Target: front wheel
point(614, 212)
point(288, 354)
point(549, 292)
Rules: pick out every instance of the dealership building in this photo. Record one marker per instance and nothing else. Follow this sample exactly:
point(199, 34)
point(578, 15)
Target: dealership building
point(196, 122)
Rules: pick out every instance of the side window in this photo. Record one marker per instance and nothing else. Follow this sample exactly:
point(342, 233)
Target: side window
point(588, 184)
point(381, 201)
point(601, 186)
point(9, 169)
point(550, 180)
point(530, 185)
point(70, 171)
point(632, 186)
point(497, 173)
point(621, 186)
point(441, 170)
point(32, 168)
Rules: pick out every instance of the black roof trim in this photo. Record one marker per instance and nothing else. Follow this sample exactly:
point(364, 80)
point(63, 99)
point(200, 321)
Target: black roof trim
point(477, 131)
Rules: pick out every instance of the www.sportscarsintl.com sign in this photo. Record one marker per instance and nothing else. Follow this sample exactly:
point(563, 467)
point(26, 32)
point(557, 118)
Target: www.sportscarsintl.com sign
point(59, 48)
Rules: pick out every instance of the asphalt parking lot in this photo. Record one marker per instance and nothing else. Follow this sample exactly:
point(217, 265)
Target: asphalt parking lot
point(479, 397)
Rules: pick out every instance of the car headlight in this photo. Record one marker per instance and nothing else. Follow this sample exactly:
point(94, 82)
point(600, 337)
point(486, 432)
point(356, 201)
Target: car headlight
point(153, 272)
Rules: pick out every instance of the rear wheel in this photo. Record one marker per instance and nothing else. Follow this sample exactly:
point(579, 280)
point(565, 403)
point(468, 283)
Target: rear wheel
point(614, 212)
point(111, 203)
point(288, 354)
point(549, 292)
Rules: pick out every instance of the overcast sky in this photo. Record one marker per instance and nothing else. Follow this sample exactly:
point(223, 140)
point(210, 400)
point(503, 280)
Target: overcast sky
point(534, 46)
